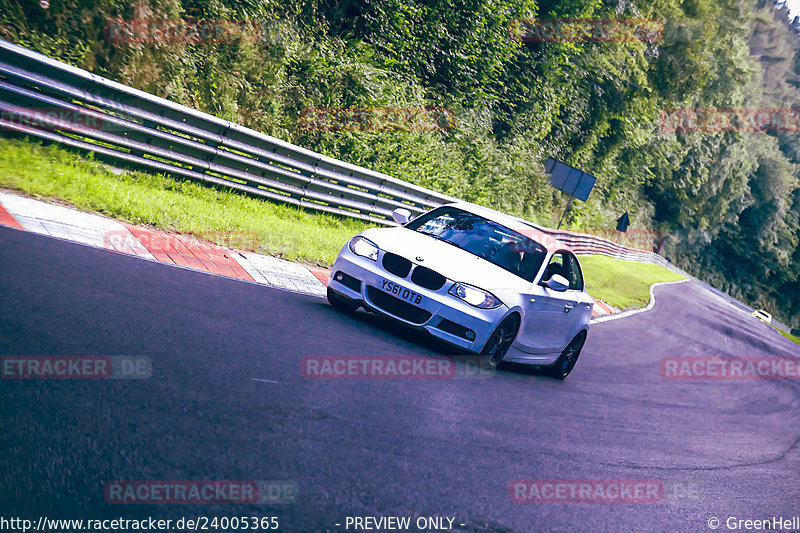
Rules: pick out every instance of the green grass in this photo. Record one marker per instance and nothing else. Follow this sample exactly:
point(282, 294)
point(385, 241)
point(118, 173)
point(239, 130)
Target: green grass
point(52, 173)
point(622, 284)
point(788, 335)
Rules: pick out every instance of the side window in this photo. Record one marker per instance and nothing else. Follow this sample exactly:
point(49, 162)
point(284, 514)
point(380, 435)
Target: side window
point(575, 276)
point(555, 266)
point(565, 264)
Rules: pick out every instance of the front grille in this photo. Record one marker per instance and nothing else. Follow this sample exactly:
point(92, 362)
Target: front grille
point(397, 307)
point(430, 279)
point(396, 264)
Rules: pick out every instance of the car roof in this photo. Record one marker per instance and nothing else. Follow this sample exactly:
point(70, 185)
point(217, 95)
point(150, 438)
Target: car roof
point(517, 224)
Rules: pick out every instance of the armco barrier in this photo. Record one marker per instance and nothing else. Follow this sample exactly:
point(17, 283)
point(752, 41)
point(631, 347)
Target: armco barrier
point(55, 101)
point(582, 243)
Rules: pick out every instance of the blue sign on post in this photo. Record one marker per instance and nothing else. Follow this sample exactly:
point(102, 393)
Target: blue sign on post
point(576, 183)
point(568, 179)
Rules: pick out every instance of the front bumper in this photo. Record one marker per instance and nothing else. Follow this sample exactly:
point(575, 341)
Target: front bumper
point(442, 315)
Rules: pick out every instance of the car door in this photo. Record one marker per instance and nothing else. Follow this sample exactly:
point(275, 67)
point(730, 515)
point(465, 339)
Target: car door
point(548, 317)
point(578, 304)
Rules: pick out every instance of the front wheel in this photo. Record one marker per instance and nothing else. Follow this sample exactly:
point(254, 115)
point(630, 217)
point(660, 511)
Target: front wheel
point(566, 361)
point(500, 341)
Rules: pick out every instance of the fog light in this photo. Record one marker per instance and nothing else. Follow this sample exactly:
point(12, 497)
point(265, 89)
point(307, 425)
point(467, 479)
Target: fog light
point(338, 276)
point(470, 335)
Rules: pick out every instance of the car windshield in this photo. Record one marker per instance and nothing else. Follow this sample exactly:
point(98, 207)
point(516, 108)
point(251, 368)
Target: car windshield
point(489, 240)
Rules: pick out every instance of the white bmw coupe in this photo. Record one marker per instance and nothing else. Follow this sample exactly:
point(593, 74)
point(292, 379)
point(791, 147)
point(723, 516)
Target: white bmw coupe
point(478, 279)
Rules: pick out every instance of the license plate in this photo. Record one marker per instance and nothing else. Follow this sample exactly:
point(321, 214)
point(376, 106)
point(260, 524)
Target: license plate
point(401, 292)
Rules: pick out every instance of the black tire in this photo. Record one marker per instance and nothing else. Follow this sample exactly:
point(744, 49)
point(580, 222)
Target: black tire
point(341, 303)
point(500, 341)
point(566, 361)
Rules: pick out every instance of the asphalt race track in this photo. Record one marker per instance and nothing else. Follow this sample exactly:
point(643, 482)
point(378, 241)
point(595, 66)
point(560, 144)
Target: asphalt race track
point(227, 401)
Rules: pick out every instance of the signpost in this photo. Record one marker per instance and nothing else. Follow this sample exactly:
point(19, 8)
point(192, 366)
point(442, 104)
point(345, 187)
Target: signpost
point(576, 183)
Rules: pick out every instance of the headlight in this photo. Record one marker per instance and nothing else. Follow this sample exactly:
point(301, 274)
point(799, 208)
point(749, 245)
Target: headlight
point(474, 296)
point(364, 247)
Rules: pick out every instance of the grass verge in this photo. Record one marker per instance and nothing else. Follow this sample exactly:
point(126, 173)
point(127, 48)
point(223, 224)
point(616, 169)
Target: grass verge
point(788, 335)
point(622, 284)
point(52, 173)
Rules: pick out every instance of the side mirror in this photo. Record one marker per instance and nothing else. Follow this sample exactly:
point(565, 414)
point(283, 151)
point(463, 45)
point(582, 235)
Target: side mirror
point(557, 282)
point(401, 216)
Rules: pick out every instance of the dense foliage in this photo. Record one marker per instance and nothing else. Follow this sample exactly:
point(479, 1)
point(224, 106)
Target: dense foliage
point(729, 200)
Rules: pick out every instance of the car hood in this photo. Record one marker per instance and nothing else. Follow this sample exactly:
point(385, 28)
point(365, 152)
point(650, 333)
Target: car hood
point(446, 259)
